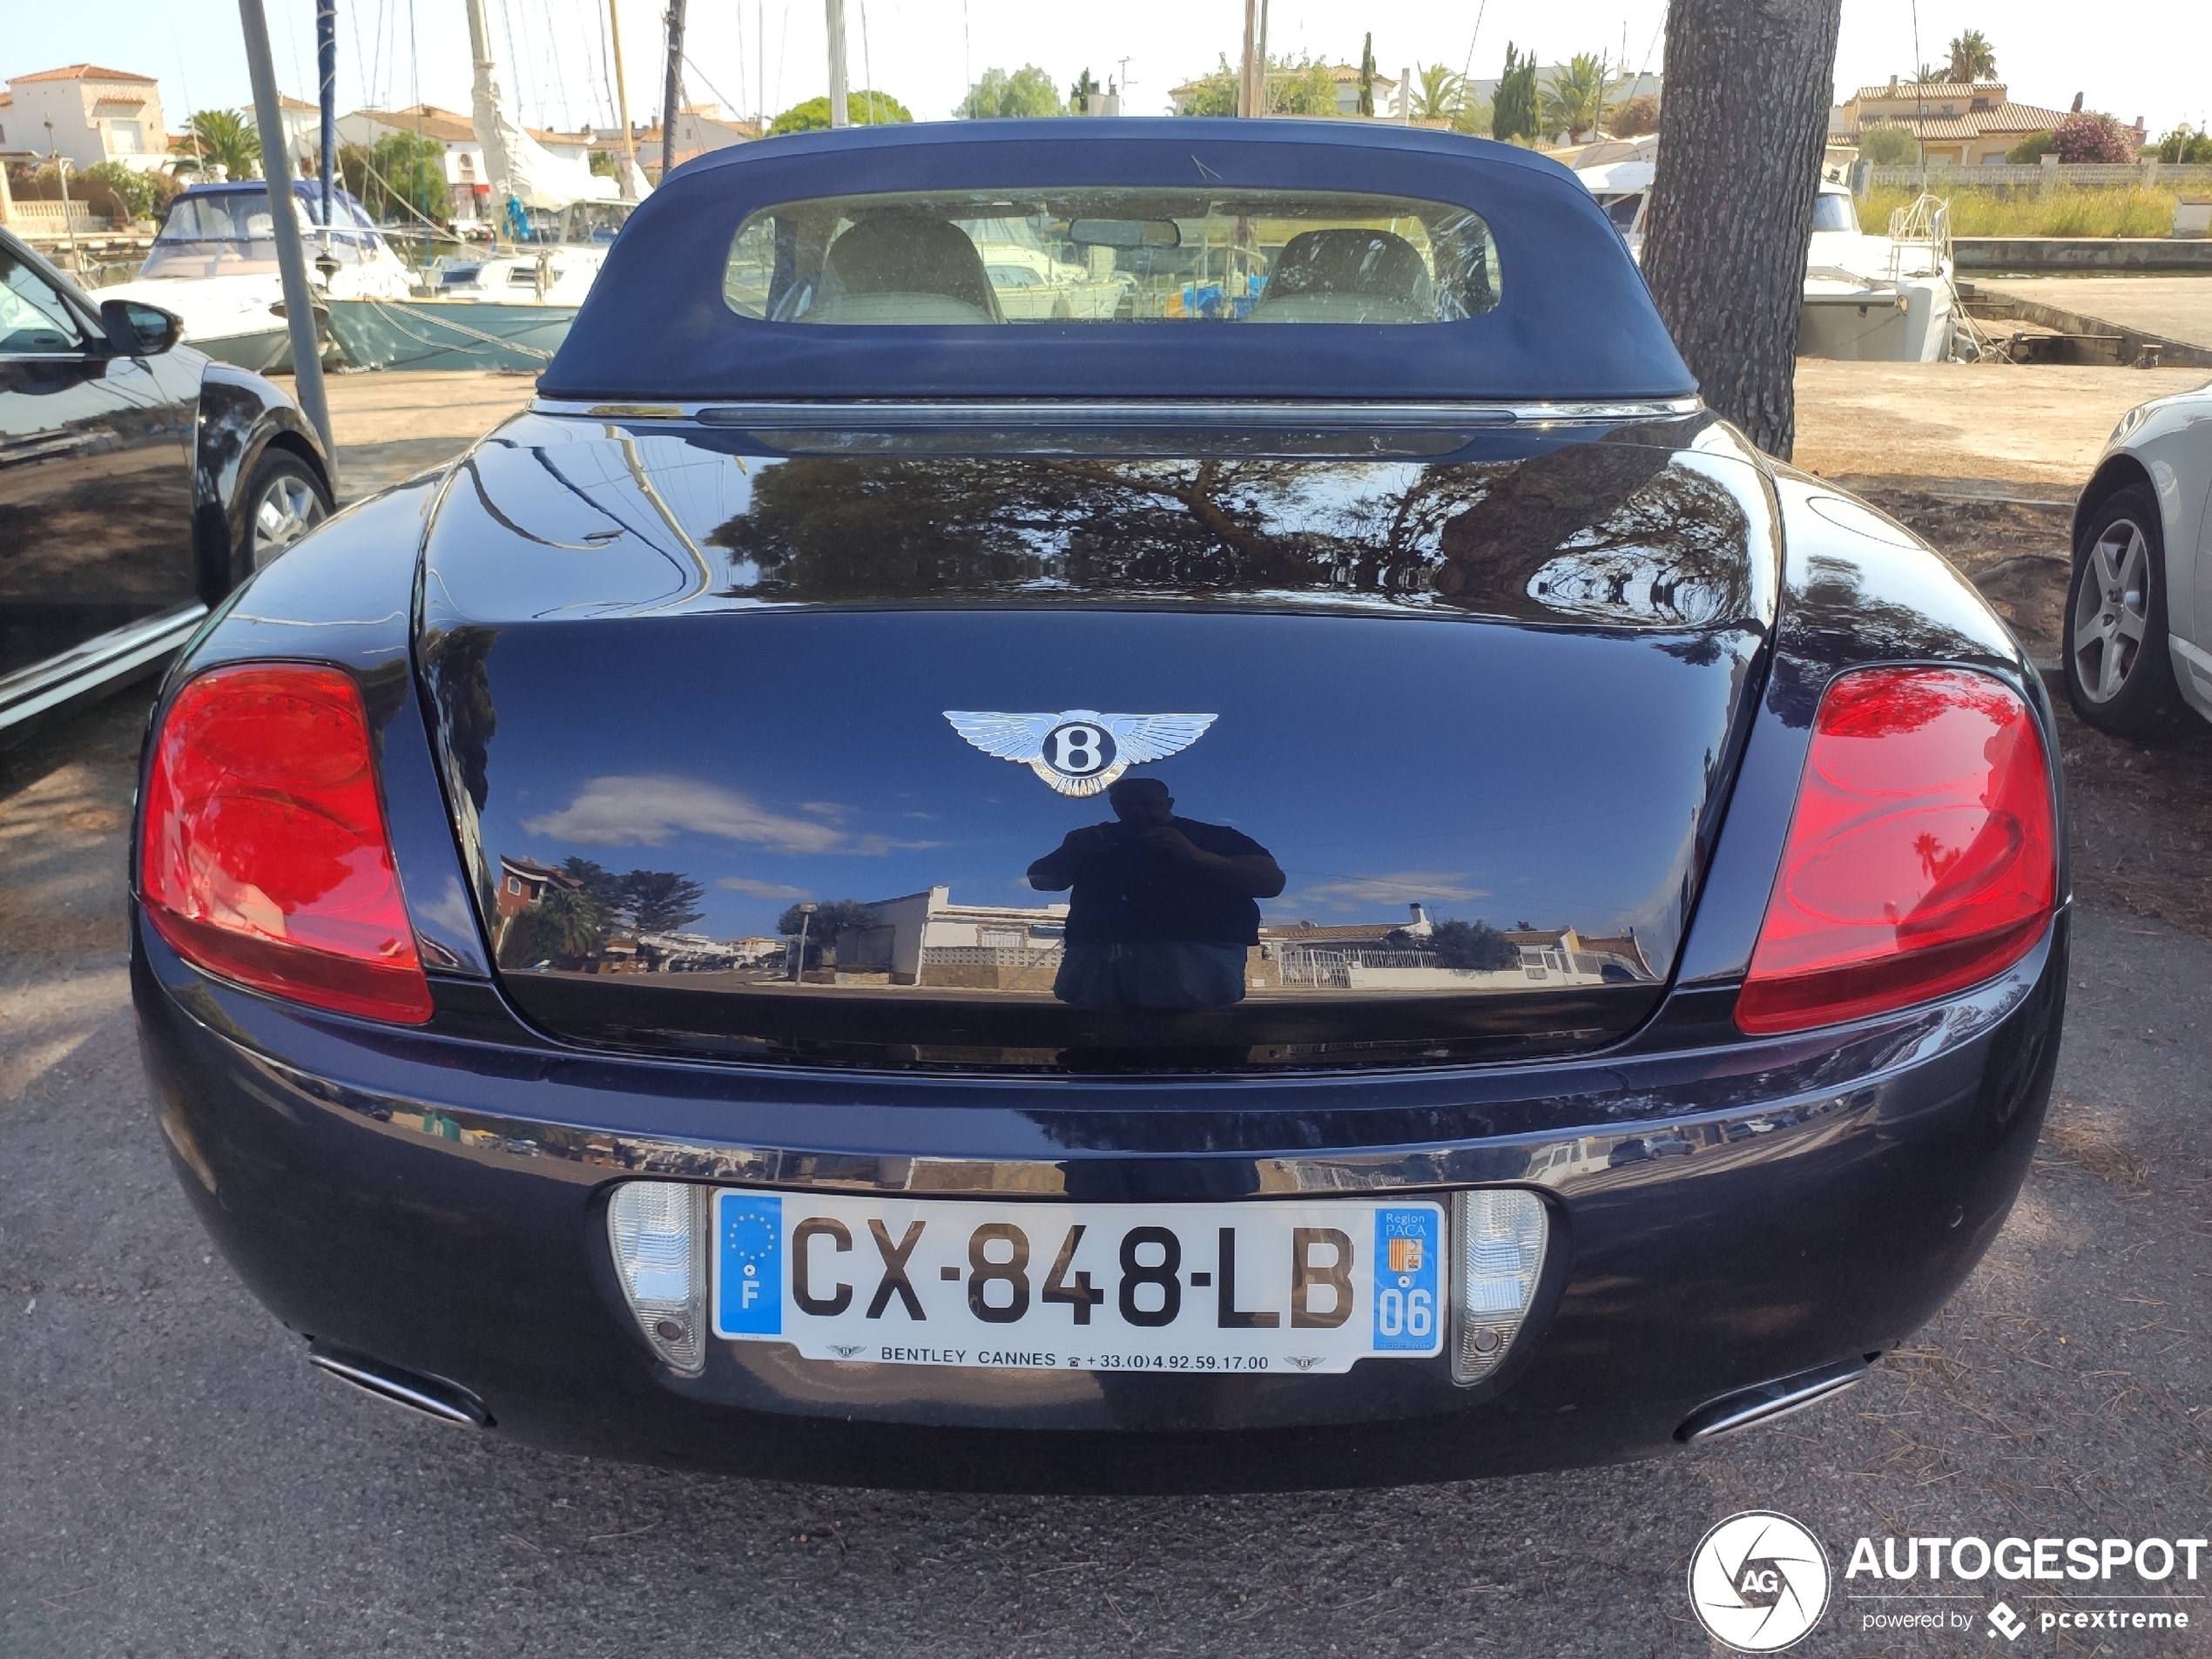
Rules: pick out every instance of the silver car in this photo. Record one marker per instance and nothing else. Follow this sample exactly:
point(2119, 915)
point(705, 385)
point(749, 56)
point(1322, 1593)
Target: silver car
point(2138, 607)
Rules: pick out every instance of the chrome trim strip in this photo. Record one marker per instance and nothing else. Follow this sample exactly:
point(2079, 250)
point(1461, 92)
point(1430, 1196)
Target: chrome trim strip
point(1095, 414)
point(34, 690)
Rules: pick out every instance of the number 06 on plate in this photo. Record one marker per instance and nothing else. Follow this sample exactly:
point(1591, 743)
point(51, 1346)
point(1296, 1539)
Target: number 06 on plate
point(1296, 1287)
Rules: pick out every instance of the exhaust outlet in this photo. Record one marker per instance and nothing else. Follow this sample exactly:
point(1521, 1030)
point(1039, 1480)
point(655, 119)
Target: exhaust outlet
point(1748, 1407)
point(433, 1397)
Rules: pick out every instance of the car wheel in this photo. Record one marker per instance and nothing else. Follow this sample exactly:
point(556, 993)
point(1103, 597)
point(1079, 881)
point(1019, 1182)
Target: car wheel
point(284, 501)
point(2118, 668)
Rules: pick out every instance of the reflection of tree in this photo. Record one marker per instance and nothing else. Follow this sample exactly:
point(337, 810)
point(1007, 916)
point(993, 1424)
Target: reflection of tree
point(822, 925)
point(1472, 945)
point(651, 901)
point(455, 660)
point(1611, 530)
point(565, 926)
point(1833, 620)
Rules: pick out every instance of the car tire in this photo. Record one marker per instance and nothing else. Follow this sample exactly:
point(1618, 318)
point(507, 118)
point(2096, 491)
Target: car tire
point(284, 498)
point(2119, 666)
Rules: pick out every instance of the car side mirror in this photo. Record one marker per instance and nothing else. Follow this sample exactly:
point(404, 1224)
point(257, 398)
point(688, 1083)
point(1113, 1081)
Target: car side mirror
point(136, 329)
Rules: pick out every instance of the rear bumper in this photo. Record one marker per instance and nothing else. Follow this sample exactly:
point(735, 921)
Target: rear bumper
point(1722, 1218)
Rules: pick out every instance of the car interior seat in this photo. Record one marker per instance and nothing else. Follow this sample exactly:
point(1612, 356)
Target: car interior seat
point(1346, 276)
point(904, 267)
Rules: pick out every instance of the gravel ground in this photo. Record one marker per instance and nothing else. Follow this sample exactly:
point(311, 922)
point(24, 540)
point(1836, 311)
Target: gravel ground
point(179, 1481)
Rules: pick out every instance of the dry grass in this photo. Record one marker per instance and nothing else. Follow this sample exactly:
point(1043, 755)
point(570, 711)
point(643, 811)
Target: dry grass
point(2080, 1137)
point(2066, 210)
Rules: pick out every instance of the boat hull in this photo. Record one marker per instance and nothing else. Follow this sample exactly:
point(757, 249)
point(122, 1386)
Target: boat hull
point(449, 334)
point(1910, 324)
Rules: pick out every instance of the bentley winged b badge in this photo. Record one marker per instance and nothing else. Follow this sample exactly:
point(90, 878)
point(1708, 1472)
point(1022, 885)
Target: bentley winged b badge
point(1079, 751)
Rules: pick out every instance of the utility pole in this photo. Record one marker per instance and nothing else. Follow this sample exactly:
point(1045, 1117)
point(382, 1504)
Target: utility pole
point(1246, 104)
point(839, 116)
point(672, 93)
point(628, 190)
point(292, 263)
point(1259, 68)
point(61, 175)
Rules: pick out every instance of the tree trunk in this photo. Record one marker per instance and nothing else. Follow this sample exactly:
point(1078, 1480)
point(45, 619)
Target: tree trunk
point(1746, 120)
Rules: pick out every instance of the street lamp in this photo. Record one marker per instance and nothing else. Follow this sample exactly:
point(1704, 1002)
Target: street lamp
point(798, 963)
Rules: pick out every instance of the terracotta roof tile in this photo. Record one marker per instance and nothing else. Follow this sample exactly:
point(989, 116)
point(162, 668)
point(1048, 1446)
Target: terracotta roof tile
point(81, 72)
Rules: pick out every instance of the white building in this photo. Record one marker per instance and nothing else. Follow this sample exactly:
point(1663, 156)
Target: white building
point(466, 182)
point(925, 939)
point(94, 114)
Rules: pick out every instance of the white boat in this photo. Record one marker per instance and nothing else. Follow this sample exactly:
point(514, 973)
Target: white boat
point(1877, 299)
point(214, 265)
point(1873, 298)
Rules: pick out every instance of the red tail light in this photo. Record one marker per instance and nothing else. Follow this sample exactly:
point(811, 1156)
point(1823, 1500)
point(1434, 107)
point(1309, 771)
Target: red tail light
point(265, 856)
point(1923, 855)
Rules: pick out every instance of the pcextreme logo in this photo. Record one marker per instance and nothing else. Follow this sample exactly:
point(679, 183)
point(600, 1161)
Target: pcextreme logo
point(1759, 1582)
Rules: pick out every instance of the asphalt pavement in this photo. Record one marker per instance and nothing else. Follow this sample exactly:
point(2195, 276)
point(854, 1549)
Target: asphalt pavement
point(175, 1480)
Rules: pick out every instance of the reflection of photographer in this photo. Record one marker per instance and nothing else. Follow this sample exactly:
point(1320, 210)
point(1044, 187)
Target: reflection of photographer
point(1162, 909)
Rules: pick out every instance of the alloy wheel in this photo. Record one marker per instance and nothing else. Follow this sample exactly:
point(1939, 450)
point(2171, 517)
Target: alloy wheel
point(2111, 612)
point(288, 509)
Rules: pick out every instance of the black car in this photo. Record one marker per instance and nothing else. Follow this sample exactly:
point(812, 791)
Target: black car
point(140, 483)
point(1290, 869)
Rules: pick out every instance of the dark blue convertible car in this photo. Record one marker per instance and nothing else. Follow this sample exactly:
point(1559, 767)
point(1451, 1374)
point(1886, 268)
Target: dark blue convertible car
point(1106, 805)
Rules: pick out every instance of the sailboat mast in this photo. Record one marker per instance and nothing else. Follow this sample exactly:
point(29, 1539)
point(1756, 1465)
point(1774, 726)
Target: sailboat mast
point(326, 71)
point(673, 94)
point(839, 115)
point(622, 104)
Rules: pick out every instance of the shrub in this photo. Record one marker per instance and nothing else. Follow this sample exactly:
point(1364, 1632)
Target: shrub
point(1472, 945)
point(2086, 137)
point(1635, 118)
point(143, 194)
point(2031, 149)
point(1889, 146)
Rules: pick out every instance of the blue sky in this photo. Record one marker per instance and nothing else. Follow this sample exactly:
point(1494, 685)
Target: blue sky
point(925, 52)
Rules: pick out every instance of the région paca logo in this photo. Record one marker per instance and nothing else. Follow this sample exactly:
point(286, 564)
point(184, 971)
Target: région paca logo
point(1759, 1582)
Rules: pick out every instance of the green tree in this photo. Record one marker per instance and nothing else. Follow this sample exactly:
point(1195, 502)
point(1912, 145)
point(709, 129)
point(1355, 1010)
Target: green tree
point(2031, 149)
point(863, 108)
point(1080, 95)
point(1438, 94)
point(603, 166)
point(1212, 93)
point(226, 140)
point(406, 174)
point(1514, 110)
point(1474, 945)
point(1578, 97)
point(1367, 75)
point(1972, 59)
point(1028, 91)
point(562, 926)
point(1303, 87)
point(1888, 144)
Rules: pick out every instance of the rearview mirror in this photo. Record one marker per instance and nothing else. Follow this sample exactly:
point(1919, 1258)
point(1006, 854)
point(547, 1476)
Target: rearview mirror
point(1125, 232)
point(135, 329)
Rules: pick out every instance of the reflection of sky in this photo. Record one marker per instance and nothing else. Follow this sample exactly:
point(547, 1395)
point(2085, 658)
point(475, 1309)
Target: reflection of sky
point(776, 752)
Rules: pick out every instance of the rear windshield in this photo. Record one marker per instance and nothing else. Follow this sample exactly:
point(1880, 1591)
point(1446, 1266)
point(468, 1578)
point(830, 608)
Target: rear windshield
point(1098, 255)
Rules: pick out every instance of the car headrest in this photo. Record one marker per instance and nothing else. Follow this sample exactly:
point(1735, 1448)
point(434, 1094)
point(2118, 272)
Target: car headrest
point(905, 253)
point(1381, 264)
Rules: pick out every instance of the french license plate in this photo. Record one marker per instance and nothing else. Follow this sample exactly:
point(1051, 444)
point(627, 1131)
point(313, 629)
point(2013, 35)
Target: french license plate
point(1212, 1288)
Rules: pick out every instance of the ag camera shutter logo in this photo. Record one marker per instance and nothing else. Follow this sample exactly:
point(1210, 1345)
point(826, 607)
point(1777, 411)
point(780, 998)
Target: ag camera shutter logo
point(1759, 1582)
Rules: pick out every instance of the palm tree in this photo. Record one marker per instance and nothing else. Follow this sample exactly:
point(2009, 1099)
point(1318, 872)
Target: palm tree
point(1972, 59)
point(1437, 97)
point(1932, 75)
point(226, 139)
point(1578, 97)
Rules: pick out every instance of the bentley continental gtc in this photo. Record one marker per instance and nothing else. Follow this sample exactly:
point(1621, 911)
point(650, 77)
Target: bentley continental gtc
point(1105, 805)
